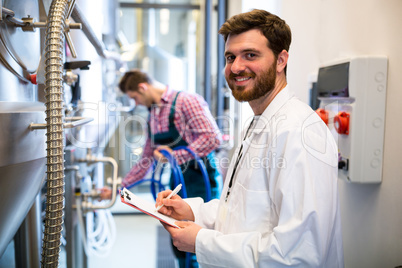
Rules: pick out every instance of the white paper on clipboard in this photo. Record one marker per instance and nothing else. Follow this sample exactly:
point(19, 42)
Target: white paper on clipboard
point(144, 206)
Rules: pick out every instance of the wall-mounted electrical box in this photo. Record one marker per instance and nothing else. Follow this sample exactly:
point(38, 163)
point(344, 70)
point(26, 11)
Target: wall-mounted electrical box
point(352, 94)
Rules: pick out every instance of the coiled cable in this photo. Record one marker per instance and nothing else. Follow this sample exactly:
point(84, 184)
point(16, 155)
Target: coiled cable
point(176, 172)
point(97, 238)
point(203, 171)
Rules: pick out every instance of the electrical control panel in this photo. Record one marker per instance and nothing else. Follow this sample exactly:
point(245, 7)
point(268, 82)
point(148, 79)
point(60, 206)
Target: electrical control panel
point(352, 94)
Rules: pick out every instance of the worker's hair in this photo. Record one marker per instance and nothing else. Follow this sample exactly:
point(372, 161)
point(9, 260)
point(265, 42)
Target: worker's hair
point(132, 78)
point(275, 29)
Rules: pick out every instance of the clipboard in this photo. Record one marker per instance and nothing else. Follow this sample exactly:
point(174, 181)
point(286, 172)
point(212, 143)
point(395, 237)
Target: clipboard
point(144, 206)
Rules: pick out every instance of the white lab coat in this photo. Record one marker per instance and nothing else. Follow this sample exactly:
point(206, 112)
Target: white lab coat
point(283, 208)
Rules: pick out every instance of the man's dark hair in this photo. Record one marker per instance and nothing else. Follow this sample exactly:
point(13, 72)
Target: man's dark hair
point(272, 27)
point(131, 80)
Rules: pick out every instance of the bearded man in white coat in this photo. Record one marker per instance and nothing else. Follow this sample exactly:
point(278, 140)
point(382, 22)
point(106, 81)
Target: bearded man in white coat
point(279, 205)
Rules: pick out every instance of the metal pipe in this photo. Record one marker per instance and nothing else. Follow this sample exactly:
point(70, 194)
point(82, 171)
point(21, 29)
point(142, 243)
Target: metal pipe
point(70, 44)
point(27, 240)
point(207, 56)
point(16, 21)
point(10, 16)
point(28, 22)
point(8, 12)
point(159, 6)
point(221, 63)
point(55, 134)
point(70, 10)
point(75, 122)
point(78, 16)
point(90, 159)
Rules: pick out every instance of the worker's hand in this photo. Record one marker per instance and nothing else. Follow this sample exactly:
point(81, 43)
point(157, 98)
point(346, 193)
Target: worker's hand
point(106, 193)
point(174, 207)
point(159, 156)
point(184, 238)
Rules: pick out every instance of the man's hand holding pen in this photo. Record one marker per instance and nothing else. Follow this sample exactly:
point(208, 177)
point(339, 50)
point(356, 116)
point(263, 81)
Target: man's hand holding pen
point(174, 207)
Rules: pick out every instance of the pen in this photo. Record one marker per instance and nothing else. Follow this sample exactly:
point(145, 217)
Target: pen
point(175, 191)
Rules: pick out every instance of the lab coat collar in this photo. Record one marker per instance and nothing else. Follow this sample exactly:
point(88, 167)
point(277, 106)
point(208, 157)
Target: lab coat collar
point(280, 99)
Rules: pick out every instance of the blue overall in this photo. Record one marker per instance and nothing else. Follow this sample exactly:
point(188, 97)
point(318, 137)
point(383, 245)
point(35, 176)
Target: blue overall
point(193, 178)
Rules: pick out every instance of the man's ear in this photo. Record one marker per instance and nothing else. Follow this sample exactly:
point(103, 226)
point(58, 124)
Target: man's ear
point(142, 87)
point(282, 61)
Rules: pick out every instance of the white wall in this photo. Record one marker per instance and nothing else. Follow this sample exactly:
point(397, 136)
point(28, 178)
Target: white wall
point(324, 30)
point(330, 29)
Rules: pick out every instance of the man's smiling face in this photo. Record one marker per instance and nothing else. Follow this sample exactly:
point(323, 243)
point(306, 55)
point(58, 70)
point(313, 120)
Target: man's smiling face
point(250, 65)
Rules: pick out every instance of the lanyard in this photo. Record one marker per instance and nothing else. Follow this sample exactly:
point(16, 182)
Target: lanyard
point(239, 156)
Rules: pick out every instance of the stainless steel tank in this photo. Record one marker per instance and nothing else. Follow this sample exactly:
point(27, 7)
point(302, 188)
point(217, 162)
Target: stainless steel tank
point(22, 151)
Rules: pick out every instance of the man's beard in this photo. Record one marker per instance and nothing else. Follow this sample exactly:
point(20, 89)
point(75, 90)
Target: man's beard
point(263, 85)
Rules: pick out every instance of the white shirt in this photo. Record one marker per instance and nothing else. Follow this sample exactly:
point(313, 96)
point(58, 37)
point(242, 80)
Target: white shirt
point(283, 207)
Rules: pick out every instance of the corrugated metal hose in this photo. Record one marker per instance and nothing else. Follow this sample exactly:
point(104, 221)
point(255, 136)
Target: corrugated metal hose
point(54, 47)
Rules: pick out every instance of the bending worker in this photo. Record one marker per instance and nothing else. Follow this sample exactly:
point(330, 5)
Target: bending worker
point(284, 212)
point(176, 119)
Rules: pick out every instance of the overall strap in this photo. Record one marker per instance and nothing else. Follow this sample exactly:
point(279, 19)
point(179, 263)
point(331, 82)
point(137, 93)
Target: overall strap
point(172, 109)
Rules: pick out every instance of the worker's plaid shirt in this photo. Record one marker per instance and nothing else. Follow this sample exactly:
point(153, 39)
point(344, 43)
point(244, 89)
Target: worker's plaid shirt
point(194, 122)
